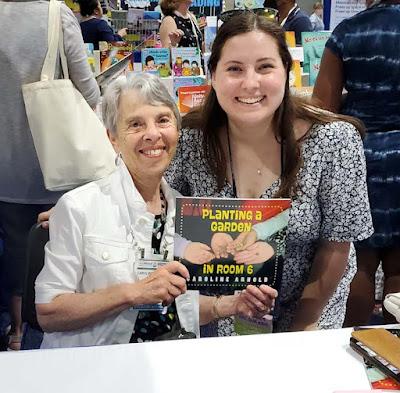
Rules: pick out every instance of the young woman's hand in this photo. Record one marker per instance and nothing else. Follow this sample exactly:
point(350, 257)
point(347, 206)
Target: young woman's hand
point(255, 302)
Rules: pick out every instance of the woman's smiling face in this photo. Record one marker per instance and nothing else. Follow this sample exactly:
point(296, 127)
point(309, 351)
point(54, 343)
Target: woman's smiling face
point(250, 78)
point(146, 135)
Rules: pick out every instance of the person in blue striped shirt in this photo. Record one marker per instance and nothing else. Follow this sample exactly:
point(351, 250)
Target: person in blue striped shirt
point(363, 56)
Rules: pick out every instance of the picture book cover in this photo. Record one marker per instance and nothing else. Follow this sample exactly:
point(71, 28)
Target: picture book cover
point(290, 39)
point(313, 43)
point(210, 31)
point(228, 244)
point(186, 81)
point(314, 70)
point(112, 52)
point(186, 61)
point(191, 96)
point(157, 61)
point(295, 74)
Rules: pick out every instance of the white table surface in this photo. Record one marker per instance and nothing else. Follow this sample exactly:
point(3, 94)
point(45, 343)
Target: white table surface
point(306, 362)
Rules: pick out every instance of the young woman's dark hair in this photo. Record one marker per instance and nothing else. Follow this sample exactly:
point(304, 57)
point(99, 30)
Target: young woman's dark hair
point(87, 7)
point(210, 117)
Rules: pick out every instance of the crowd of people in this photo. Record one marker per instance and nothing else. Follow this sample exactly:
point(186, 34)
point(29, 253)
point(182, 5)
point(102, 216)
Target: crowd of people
point(251, 138)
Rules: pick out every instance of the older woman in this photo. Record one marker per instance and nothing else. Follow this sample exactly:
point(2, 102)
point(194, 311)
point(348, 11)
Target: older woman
point(90, 288)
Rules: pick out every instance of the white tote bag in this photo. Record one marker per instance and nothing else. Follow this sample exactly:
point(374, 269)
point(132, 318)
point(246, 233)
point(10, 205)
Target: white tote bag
point(70, 140)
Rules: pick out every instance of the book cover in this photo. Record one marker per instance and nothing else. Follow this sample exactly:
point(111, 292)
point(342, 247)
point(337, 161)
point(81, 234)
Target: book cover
point(210, 31)
point(191, 96)
point(295, 74)
point(112, 52)
point(186, 61)
point(290, 39)
point(228, 244)
point(313, 43)
point(157, 61)
point(314, 70)
point(186, 81)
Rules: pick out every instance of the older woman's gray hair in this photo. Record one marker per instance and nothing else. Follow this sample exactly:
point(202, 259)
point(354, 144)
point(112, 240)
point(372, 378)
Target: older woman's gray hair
point(150, 90)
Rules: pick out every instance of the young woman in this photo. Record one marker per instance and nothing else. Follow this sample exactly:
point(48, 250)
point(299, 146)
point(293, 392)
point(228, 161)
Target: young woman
point(251, 139)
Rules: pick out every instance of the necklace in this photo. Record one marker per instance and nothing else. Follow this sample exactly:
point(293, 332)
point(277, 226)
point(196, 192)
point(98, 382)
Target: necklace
point(259, 172)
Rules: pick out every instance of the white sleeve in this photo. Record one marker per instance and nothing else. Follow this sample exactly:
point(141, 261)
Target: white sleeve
point(180, 244)
point(63, 267)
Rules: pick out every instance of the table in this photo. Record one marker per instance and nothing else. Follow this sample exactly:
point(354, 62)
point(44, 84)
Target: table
point(303, 362)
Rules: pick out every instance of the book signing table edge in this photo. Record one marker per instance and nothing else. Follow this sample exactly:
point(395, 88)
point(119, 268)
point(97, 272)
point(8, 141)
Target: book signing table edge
point(318, 361)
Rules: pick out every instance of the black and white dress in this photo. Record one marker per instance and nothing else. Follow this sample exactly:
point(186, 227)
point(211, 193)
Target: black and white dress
point(331, 204)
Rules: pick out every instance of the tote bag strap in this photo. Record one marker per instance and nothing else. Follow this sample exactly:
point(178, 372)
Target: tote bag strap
point(55, 41)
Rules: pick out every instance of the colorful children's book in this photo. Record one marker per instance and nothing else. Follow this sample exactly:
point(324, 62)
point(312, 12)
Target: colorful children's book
point(290, 39)
point(313, 45)
point(186, 61)
point(157, 61)
point(210, 31)
point(314, 70)
point(191, 96)
point(186, 81)
point(228, 244)
point(295, 74)
point(93, 57)
point(112, 52)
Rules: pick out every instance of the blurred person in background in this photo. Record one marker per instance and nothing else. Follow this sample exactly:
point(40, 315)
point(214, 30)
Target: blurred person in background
point(22, 191)
point(94, 28)
point(179, 27)
point(316, 17)
point(362, 56)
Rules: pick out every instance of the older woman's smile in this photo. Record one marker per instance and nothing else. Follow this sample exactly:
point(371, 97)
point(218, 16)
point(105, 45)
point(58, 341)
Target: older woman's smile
point(153, 151)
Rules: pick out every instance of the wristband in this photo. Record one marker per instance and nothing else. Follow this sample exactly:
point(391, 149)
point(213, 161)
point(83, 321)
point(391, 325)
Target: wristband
point(214, 310)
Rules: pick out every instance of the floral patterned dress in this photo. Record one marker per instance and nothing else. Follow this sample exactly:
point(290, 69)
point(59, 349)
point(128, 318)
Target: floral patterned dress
point(331, 204)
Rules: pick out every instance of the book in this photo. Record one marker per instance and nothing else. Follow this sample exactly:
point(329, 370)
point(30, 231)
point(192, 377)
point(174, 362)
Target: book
point(157, 61)
point(112, 52)
point(295, 74)
point(186, 61)
point(191, 96)
point(186, 81)
point(313, 43)
point(228, 244)
point(314, 69)
point(381, 373)
point(290, 39)
point(210, 31)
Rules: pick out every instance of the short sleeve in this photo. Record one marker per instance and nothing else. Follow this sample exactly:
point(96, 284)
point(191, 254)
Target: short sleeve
point(343, 193)
point(336, 41)
point(176, 174)
point(63, 267)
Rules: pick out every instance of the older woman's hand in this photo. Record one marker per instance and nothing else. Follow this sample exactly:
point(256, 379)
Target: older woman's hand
point(255, 302)
point(162, 286)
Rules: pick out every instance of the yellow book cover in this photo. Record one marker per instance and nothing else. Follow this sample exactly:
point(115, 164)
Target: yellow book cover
point(290, 39)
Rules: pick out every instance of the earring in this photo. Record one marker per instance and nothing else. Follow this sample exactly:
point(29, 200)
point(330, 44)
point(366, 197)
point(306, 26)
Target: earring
point(118, 159)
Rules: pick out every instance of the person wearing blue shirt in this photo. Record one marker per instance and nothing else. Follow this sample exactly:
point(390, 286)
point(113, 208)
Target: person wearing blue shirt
point(362, 56)
point(95, 29)
point(292, 18)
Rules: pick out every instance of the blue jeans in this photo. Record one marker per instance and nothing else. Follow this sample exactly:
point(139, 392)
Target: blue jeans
point(31, 338)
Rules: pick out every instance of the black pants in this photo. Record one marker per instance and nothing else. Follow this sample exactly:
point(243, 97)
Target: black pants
point(15, 221)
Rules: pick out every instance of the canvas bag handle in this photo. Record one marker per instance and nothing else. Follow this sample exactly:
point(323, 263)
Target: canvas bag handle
point(55, 43)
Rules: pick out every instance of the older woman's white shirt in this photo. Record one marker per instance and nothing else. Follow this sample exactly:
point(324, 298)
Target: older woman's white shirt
point(91, 247)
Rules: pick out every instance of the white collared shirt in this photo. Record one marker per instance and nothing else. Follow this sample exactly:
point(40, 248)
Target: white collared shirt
point(97, 232)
